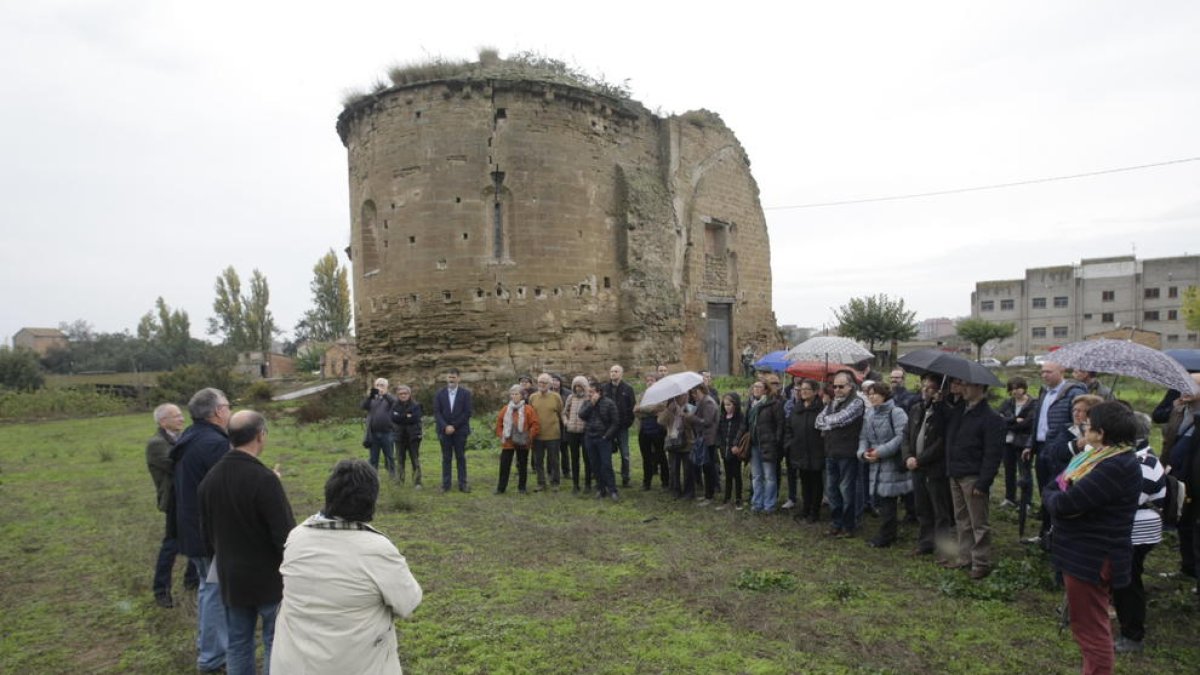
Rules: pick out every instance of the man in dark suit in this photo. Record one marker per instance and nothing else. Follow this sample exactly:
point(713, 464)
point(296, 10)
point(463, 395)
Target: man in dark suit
point(452, 411)
point(246, 518)
point(169, 419)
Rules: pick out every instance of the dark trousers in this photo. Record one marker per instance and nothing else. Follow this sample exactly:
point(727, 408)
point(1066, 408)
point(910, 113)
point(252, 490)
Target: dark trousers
point(679, 463)
point(564, 459)
point(408, 449)
point(1130, 601)
point(621, 444)
point(654, 458)
point(812, 490)
point(710, 472)
point(545, 459)
point(574, 444)
point(506, 460)
point(600, 452)
point(733, 476)
point(1044, 476)
point(888, 509)
point(166, 561)
point(383, 442)
point(793, 478)
point(1012, 458)
point(935, 510)
point(454, 447)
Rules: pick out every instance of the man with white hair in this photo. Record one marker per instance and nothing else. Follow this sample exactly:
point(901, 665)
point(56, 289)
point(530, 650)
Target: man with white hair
point(169, 419)
point(381, 434)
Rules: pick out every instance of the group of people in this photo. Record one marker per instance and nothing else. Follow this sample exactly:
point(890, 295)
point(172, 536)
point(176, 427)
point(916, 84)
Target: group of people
point(323, 593)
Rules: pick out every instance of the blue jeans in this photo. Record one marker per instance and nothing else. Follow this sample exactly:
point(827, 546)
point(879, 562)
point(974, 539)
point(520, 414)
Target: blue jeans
point(241, 637)
point(600, 451)
point(764, 480)
point(454, 447)
point(621, 440)
point(841, 483)
point(383, 442)
point(212, 639)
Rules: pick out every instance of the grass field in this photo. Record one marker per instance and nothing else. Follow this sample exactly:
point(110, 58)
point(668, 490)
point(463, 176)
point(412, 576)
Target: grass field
point(549, 583)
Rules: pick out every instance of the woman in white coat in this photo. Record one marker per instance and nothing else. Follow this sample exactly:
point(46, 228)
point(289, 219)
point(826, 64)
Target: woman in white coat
point(344, 582)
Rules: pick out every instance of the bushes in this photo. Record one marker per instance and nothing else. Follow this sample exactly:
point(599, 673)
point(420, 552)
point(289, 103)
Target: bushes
point(19, 370)
point(180, 384)
point(59, 403)
point(259, 391)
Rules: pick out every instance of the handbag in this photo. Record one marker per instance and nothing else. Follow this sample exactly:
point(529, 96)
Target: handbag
point(742, 449)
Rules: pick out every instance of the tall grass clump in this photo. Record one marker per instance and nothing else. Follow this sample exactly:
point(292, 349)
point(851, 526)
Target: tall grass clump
point(46, 403)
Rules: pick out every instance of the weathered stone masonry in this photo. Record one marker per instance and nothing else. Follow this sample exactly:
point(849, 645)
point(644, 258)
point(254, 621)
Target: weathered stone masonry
point(510, 226)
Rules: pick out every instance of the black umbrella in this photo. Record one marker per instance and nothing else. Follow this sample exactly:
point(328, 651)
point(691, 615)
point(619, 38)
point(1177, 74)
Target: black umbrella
point(924, 361)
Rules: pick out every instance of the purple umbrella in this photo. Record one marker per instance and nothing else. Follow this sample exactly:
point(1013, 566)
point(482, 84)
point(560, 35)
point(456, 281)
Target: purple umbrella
point(1121, 357)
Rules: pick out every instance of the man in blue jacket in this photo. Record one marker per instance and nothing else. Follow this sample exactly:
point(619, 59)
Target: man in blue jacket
point(198, 449)
point(1051, 435)
point(452, 410)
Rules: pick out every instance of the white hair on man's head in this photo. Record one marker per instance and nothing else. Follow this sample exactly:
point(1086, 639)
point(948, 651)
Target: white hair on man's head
point(516, 389)
point(160, 413)
point(381, 382)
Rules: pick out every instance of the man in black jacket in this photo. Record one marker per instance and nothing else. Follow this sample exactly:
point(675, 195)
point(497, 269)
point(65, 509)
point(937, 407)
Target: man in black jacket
point(1048, 443)
point(925, 455)
point(197, 451)
point(974, 450)
point(246, 519)
point(620, 393)
point(603, 424)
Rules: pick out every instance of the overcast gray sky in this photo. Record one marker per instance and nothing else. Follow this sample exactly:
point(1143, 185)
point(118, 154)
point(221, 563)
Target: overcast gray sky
point(146, 145)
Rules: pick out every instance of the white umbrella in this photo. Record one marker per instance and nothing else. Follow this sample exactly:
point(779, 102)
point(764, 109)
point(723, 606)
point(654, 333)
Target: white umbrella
point(829, 349)
point(671, 386)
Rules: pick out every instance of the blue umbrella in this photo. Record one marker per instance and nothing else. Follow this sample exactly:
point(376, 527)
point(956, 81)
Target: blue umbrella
point(775, 361)
point(1188, 358)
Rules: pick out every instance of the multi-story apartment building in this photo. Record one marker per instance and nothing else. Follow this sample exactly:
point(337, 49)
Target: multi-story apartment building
point(1058, 305)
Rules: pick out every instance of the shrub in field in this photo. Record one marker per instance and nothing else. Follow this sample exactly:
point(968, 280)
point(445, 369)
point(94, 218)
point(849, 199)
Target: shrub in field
point(19, 370)
point(259, 391)
point(178, 386)
point(58, 403)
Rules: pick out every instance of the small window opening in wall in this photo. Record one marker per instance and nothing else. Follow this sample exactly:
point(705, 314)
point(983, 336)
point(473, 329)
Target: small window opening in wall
point(607, 282)
point(537, 291)
point(412, 239)
point(458, 200)
point(414, 298)
point(418, 114)
point(441, 263)
point(585, 288)
point(385, 243)
point(557, 291)
point(393, 206)
point(499, 291)
point(446, 296)
point(478, 293)
point(520, 292)
point(385, 223)
point(465, 236)
point(501, 113)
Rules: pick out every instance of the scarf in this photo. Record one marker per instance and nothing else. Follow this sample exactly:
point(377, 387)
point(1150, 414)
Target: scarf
point(1087, 460)
point(519, 409)
point(321, 521)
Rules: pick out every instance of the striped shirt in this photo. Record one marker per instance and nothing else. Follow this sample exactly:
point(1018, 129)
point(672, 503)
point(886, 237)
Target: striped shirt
point(1147, 523)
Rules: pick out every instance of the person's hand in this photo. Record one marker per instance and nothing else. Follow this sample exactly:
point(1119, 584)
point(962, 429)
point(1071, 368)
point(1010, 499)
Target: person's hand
point(449, 429)
point(278, 473)
point(978, 493)
point(911, 463)
point(1026, 454)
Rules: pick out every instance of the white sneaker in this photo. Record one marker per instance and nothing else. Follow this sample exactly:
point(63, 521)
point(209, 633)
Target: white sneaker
point(789, 504)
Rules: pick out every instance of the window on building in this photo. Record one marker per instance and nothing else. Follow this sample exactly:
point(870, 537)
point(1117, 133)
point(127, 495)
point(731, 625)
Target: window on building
point(1172, 315)
point(1007, 305)
point(1039, 303)
point(987, 305)
point(1038, 333)
point(1150, 315)
point(1172, 338)
point(1172, 291)
point(1106, 317)
point(1108, 296)
point(1060, 331)
point(1151, 293)
point(1060, 301)
point(1191, 337)
point(1087, 317)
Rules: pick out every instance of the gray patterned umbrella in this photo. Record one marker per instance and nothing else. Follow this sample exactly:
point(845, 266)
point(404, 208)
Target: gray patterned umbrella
point(1120, 357)
point(829, 349)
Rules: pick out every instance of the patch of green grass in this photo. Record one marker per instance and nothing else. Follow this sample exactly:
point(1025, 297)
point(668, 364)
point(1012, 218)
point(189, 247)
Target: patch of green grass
point(540, 583)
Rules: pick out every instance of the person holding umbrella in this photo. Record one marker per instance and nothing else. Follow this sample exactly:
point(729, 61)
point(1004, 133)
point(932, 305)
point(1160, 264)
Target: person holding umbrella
point(925, 456)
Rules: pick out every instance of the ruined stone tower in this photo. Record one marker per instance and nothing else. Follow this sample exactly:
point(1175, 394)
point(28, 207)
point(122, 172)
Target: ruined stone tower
point(507, 224)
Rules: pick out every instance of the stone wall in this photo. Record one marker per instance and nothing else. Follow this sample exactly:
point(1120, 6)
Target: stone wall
point(512, 226)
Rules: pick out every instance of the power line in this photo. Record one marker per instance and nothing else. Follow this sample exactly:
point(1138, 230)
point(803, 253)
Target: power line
point(995, 186)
